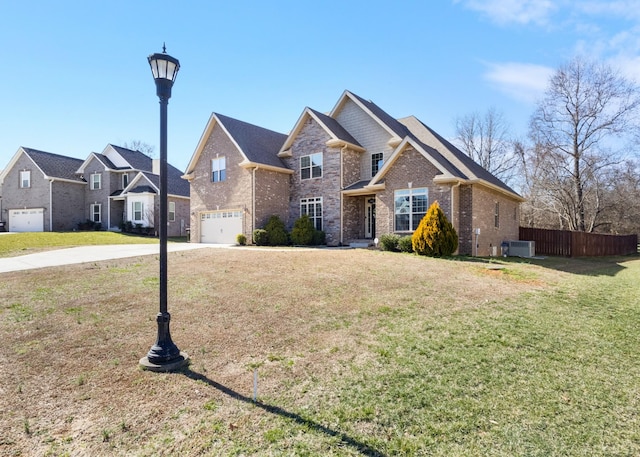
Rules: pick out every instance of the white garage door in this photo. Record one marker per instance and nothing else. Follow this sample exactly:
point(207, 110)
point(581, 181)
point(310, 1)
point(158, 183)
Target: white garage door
point(26, 220)
point(220, 227)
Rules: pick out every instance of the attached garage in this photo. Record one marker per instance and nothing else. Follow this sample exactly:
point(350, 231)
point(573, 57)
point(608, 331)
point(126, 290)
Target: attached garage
point(220, 227)
point(26, 220)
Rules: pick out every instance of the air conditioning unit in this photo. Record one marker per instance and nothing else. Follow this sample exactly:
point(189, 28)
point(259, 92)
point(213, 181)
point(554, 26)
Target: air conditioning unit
point(522, 248)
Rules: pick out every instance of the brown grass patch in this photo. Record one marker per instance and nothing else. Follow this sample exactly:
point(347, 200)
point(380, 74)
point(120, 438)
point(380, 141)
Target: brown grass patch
point(72, 337)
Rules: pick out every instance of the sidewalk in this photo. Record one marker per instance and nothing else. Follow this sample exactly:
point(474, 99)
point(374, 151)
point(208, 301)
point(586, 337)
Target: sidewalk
point(82, 254)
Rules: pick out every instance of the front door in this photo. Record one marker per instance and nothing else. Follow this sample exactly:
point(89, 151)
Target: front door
point(370, 218)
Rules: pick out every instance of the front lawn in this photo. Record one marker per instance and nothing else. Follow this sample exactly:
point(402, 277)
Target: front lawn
point(356, 352)
point(13, 244)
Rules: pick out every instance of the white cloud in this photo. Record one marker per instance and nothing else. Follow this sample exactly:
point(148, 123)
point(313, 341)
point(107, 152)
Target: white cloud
point(514, 11)
point(525, 82)
point(621, 8)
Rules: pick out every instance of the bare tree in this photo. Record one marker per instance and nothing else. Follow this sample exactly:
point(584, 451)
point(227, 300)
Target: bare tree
point(138, 145)
point(581, 125)
point(485, 138)
point(622, 199)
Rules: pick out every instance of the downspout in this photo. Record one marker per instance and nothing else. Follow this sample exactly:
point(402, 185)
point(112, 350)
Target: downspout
point(453, 221)
point(108, 213)
point(253, 202)
point(341, 196)
point(452, 203)
point(51, 205)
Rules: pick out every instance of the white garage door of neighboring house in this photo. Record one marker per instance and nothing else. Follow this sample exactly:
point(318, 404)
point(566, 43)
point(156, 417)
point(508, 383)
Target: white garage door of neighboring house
point(220, 227)
point(26, 220)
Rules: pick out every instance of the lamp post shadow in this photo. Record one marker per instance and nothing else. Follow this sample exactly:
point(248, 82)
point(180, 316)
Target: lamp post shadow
point(277, 410)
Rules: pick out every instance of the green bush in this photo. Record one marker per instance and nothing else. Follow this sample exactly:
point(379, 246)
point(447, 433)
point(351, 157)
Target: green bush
point(405, 244)
point(319, 238)
point(278, 235)
point(303, 231)
point(241, 239)
point(389, 242)
point(260, 237)
point(435, 236)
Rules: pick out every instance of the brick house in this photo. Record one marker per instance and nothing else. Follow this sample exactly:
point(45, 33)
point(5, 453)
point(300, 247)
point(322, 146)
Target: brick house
point(356, 171)
point(42, 191)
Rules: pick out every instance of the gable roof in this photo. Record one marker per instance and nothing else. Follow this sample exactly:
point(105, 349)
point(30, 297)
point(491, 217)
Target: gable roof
point(469, 168)
point(258, 146)
point(175, 184)
point(52, 166)
point(135, 159)
point(104, 160)
point(339, 135)
point(55, 165)
point(145, 181)
point(453, 163)
point(392, 126)
point(119, 158)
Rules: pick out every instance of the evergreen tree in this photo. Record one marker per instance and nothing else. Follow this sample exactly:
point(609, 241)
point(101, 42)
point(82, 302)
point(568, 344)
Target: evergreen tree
point(435, 236)
point(277, 231)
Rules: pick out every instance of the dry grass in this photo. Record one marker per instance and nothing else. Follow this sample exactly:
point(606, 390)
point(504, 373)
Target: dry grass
point(72, 337)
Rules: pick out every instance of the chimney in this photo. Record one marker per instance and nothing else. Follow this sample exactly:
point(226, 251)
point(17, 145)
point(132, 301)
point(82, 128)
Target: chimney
point(155, 167)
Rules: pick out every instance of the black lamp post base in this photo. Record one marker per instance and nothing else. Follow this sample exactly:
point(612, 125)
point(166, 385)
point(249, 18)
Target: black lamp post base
point(182, 360)
point(164, 355)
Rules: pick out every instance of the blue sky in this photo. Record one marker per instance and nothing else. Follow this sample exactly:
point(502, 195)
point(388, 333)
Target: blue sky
point(74, 74)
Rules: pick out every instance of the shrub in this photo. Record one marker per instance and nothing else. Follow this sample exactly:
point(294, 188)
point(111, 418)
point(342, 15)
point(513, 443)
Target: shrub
point(319, 238)
point(405, 244)
point(241, 239)
point(389, 242)
point(303, 231)
point(260, 237)
point(435, 236)
point(278, 235)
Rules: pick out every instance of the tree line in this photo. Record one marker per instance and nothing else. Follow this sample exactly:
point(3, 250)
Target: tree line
point(578, 166)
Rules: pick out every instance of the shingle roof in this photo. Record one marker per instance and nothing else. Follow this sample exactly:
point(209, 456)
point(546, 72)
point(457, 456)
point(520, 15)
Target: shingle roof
point(142, 189)
point(402, 131)
point(137, 159)
point(260, 145)
point(105, 160)
point(55, 165)
point(335, 128)
point(358, 185)
point(456, 162)
point(471, 168)
point(388, 120)
point(175, 184)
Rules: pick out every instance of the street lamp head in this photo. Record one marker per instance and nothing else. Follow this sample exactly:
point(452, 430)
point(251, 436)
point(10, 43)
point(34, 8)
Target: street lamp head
point(164, 69)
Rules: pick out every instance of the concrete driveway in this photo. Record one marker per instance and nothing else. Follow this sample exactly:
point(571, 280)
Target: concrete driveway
point(82, 254)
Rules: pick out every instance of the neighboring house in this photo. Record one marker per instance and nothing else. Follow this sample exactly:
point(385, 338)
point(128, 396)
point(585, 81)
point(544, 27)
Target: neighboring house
point(356, 172)
point(123, 187)
point(41, 192)
point(49, 192)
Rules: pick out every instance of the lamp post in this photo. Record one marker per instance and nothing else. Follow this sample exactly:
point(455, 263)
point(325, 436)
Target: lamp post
point(164, 355)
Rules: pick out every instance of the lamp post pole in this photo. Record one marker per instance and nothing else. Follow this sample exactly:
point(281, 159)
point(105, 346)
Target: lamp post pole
point(164, 355)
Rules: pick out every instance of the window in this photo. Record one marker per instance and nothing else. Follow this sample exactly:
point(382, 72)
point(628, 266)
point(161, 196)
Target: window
point(25, 179)
point(172, 211)
point(312, 207)
point(96, 181)
point(96, 212)
point(496, 216)
point(218, 169)
point(410, 206)
point(376, 163)
point(125, 180)
point(137, 211)
point(311, 166)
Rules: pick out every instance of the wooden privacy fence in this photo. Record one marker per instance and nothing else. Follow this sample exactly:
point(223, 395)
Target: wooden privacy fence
point(579, 244)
